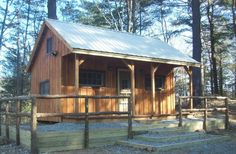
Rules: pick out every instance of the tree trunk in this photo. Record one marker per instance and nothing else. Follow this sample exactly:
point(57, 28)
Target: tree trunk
point(196, 31)
point(234, 29)
point(220, 76)
point(52, 9)
point(131, 26)
point(234, 17)
point(133, 17)
point(3, 23)
point(214, 63)
point(18, 80)
point(140, 19)
point(212, 83)
point(22, 86)
point(210, 16)
point(235, 78)
point(129, 15)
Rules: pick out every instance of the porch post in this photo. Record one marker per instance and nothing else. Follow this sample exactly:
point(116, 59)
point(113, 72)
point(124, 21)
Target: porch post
point(132, 74)
point(78, 62)
point(190, 74)
point(153, 71)
point(76, 74)
point(131, 67)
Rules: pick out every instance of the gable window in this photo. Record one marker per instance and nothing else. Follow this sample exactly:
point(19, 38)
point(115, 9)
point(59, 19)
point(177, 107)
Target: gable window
point(44, 87)
point(91, 78)
point(49, 45)
point(159, 82)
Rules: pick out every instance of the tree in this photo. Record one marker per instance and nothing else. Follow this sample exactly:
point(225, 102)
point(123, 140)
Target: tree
point(116, 14)
point(196, 32)
point(52, 9)
point(233, 9)
point(21, 35)
point(4, 22)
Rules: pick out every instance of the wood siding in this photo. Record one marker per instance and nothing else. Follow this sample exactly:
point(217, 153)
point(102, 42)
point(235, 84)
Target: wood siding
point(60, 72)
point(165, 100)
point(48, 67)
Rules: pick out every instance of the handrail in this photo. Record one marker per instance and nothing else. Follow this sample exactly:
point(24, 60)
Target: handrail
point(203, 97)
point(205, 109)
point(78, 96)
point(28, 97)
point(34, 115)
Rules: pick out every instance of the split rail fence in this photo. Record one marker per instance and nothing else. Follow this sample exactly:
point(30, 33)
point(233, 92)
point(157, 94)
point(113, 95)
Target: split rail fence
point(17, 114)
point(205, 109)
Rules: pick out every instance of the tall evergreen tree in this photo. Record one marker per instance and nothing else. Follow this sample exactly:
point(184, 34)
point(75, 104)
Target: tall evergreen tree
point(196, 32)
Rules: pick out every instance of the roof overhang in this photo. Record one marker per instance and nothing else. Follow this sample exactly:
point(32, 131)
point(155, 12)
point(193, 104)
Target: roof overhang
point(134, 57)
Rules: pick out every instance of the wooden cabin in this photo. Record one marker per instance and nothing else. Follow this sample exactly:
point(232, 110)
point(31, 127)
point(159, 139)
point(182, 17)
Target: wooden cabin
point(78, 59)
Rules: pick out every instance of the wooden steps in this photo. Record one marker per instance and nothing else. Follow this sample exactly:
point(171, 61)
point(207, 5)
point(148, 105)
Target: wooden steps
point(161, 140)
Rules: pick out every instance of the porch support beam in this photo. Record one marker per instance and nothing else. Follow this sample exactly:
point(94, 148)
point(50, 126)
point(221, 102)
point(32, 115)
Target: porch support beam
point(190, 74)
point(76, 74)
point(131, 67)
point(154, 68)
point(78, 62)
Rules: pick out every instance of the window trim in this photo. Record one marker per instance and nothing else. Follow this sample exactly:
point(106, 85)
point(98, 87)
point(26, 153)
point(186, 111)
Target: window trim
point(93, 85)
point(43, 83)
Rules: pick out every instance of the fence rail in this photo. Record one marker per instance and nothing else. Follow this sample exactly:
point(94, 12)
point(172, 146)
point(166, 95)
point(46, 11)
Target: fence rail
point(34, 115)
point(205, 109)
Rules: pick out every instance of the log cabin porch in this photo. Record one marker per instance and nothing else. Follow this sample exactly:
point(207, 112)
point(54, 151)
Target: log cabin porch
point(150, 85)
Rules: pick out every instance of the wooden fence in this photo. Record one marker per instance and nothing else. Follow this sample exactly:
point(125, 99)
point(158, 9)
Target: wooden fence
point(34, 115)
point(204, 109)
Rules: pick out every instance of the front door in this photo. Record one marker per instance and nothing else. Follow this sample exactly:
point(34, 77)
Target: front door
point(124, 85)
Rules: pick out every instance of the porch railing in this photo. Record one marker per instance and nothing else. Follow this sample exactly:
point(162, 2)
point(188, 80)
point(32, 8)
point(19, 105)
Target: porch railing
point(17, 101)
point(205, 109)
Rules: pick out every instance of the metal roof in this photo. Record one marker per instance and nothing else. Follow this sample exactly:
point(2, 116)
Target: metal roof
point(105, 42)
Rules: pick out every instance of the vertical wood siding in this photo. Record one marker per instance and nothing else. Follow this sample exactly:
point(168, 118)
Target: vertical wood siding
point(165, 99)
point(48, 67)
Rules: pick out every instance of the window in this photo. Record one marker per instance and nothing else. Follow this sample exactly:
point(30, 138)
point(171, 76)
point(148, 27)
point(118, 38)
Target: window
point(44, 87)
point(125, 84)
point(159, 82)
point(91, 78)
point(49, 45)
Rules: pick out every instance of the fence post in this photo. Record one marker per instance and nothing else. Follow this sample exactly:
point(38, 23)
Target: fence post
point(86, 129)
point(34, 144)
point(180, 113)
point(227, 113)
point(18, 119)
point(7, 121)
point(130, 135)
point(205, 115)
